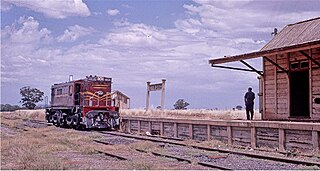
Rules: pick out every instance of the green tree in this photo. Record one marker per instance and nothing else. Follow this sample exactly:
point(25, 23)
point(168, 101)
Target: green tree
point(239, 107)
point(181, 104)
point(30, 96)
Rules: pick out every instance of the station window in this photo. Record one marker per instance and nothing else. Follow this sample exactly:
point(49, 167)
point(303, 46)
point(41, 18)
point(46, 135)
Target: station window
point(304, 64)
point(294, 65)
point(299, 65)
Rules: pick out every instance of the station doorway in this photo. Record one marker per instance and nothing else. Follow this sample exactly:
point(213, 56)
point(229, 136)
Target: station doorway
point(299, 94)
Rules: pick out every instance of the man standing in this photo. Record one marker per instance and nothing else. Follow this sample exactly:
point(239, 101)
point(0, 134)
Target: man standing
point(248, 100)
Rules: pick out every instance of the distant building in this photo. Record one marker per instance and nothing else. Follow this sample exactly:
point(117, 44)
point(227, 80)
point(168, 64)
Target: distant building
point(120, 100)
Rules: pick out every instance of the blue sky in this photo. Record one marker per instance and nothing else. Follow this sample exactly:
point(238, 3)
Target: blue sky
point(42, 42)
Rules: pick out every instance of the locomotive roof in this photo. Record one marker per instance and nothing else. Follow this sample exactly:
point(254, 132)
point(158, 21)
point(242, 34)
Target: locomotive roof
point(88, 78)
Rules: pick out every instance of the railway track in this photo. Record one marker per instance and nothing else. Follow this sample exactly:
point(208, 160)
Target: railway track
point(178, 158)
point(209, 164)
point(111, 155)
point(179, 142)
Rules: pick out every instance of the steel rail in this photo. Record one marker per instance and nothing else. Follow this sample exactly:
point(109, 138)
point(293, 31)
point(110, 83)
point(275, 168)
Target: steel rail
point(267, 157)
point(206, 164)
point(112, 155)
point(180, 159)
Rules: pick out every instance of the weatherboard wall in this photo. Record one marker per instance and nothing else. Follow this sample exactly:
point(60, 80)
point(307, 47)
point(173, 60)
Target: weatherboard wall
point(276, 88)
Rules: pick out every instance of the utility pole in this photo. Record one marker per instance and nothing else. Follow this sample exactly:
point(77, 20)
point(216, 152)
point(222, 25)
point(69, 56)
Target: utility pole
point(162, 93)
point(148, 96)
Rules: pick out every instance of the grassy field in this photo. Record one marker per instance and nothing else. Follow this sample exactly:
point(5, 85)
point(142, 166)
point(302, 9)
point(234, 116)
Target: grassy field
point(25, 145)
point(29, 146)
point(191, 114)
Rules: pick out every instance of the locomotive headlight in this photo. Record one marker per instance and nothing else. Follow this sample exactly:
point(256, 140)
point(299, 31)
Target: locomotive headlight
point(100, 93)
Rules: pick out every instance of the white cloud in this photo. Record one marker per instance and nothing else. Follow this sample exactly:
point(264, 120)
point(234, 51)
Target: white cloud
point(244, 25)
point(189, 25)
point(74, 32)
point(225, 4)
point(5, 6)
point(23, 51)
point(54, 8)
point(113, 12)
point(135, 35)
point(97, 13)
point(133, 53)
point(26, 30)
point(121, 22)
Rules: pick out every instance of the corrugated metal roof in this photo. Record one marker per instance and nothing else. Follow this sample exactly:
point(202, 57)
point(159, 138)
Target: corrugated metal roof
point(295, 34)
point(293, 48)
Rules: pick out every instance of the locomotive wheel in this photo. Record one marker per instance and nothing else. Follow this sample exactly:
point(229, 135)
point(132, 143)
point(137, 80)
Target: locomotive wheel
point(63, 123)
point(50, 119)
point(79, 127)
point(76, 123)
point(55, 120)
point(69, 122)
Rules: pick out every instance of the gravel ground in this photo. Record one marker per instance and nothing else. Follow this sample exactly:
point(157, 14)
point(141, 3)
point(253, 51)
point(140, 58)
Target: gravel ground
point(237, 162)
point(34, 124)
point(7, 131)
point(233, 161)
point(117, 140)
point(76, 160)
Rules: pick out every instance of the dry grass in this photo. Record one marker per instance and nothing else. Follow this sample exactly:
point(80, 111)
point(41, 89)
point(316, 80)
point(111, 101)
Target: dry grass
point(145, 145)
point(38, 148)
point(26, 151)
point(14, 119)
point(38, 114)
point(141, 165)
point(211, 143)
point(23, 153)
point(191, 113)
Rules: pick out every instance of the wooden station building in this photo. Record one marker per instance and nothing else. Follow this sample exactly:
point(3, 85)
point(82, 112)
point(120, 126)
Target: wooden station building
point(290, 80)
point(120, 100)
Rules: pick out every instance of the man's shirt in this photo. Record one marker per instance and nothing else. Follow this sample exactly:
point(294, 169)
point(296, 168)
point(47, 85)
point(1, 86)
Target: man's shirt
point(249, 98)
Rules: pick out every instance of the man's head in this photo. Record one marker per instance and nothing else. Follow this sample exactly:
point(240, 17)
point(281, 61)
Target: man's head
point(249, 89)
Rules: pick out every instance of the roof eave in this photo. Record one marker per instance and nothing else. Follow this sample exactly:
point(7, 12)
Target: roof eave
point(307, 45)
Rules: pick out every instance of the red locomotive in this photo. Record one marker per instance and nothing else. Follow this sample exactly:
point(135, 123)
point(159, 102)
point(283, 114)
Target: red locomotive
point(84, 103)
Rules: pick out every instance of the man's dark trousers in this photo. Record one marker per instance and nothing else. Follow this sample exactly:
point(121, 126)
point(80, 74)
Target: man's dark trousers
point(249, 108)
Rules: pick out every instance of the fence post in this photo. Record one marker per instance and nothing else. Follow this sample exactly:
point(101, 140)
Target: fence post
point(129, 125)
point(253, 137)
point(208, 132)
point(161, 129)
point(229, 133)
point(139, 127)
point(281, 140)
point(175, 129)
point(315, 141)
point(191, 131)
